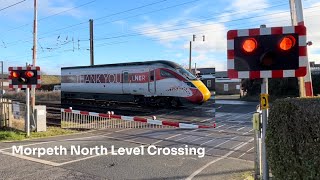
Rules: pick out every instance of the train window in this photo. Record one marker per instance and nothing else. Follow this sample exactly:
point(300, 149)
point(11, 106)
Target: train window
point(151, 75)
point(186, 74)
point(167, 74)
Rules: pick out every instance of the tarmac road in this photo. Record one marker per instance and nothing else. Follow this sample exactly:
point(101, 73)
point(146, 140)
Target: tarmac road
point(228, 150)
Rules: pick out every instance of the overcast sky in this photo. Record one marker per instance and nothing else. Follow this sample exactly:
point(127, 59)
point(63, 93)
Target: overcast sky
point(138, 30)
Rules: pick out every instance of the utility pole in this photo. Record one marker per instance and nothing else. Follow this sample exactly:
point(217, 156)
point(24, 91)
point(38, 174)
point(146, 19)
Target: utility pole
point(305, 83)
point(91, 43)
point(1, 79)
point(190, 49)
point(34, 50)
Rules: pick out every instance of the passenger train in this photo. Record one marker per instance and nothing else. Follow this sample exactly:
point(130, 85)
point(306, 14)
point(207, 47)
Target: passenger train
point(156, 83)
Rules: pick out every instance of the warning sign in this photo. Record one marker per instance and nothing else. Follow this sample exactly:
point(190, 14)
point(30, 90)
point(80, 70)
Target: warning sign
point(16, 110)
point(264, 101)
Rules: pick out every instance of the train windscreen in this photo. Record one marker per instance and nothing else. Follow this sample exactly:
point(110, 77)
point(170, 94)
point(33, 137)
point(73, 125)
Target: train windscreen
point(186, 74)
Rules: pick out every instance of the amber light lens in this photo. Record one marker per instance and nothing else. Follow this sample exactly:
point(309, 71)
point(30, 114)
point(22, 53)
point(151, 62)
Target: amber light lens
point(14, 74)
point(29, 74)
point(287, 43)
point(249, 45)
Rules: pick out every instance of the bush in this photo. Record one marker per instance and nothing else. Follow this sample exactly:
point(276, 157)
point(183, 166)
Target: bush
point(293, 138)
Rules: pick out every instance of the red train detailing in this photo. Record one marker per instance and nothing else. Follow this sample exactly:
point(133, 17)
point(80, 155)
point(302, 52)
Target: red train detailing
point(196, 97)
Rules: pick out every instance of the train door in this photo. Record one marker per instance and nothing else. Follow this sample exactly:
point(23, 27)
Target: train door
point(125, 82)
point(152, 82)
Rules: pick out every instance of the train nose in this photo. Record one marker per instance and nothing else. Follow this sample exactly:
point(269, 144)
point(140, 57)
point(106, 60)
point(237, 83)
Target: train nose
point(203, 89)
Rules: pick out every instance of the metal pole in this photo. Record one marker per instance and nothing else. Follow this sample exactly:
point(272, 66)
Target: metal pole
point(33, 94)
point(1, 79)
point(91, 43)
point(294, 22)
point(257, 154)
point(264, 90)
point(27, 122)
point(190, 56)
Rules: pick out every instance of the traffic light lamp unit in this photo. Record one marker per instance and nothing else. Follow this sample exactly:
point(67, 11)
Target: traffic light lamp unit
point(275, 52)
point(24, 77)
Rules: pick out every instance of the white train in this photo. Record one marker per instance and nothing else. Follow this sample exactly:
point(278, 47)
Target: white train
point(152, 82)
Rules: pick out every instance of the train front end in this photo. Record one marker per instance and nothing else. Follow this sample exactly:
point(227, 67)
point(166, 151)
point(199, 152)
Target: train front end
point(200, 93)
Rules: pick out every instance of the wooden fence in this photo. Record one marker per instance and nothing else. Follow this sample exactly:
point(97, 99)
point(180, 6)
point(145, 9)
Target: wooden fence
point(12, 114)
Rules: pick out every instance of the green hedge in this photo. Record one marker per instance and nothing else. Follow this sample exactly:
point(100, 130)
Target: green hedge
point(293, 138)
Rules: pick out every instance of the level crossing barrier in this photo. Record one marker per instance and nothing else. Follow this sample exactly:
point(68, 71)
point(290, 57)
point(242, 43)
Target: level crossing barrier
point(92, 120)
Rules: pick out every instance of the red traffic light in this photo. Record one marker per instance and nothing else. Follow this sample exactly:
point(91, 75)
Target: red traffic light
point(249, 45)
point(14, 74)
point(287, 42)
point(29, 74)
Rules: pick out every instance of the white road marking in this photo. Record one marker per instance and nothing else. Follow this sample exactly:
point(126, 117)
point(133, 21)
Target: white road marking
point(44, 161)
point(166, 138)
point(220, 126)
point(30, 158)
point(206, 120)
point(247, 132)
point(237, 145)
point(192, 141)
point(46, 142)
point(222, 143)
point(208, 141)
point(227, 128)
point(174, 136)
point(216, 160)
point(126, 140)
point(245, 152)
point(240, 128)
point(81, 159)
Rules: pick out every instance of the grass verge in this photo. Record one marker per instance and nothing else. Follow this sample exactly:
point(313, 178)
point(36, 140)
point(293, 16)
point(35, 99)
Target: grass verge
point(15, 135)
point(246, 175)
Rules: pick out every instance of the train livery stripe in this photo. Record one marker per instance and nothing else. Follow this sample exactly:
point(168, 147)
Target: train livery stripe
point(140, 119)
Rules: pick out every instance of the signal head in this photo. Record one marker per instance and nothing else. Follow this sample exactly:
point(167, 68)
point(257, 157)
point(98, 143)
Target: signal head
point(29, 74)
point(274, 52)
point(287, 42)
point(249, 45)
point(14, 74)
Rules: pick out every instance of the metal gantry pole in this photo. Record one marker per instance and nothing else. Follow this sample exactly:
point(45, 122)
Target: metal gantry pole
point(190, 47)
point(91, 43)
point(34, 50)
point(1, 79)
point(265, 168)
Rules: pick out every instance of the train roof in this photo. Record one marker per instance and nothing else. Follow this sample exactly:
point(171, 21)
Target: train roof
point(168, 63)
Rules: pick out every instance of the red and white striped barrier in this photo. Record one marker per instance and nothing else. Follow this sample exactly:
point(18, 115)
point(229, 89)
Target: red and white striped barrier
point(307, 77)
point(300, 22)
point(139, 119)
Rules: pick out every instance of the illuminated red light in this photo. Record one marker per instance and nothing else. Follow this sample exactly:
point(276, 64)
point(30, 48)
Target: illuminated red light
point(14, 74)
point(287, 42)
point(249, 45)
point(29, 74)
